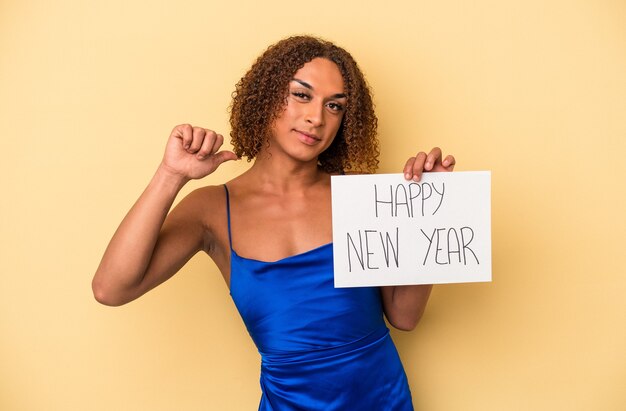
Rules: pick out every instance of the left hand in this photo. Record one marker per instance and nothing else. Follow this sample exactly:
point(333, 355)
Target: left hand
point(432, 161)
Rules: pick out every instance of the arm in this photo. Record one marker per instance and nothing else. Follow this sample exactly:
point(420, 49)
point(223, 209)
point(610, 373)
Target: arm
point(404, 305)
point(150, 246)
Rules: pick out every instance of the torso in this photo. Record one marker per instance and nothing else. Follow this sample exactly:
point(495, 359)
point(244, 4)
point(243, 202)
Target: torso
point(265, 225)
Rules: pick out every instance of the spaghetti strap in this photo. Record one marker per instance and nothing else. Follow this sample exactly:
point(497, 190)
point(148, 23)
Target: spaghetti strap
point(230, 240)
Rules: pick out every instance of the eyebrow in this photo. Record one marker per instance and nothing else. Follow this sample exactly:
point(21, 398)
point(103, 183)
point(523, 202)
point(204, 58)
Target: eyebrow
point(310, 87)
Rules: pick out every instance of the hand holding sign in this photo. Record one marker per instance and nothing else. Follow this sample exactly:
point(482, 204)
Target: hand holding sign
point(432, 162)
point(390, 231)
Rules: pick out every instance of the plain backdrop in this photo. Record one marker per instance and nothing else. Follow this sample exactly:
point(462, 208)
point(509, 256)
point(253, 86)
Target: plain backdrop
point(534, 91)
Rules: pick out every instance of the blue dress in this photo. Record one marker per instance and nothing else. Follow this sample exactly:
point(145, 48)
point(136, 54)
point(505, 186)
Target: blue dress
point(322, 348)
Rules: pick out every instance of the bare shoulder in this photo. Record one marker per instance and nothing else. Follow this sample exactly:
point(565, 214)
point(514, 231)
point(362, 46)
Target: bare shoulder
point(204, 205)
point(208, 195)
point(202, 214)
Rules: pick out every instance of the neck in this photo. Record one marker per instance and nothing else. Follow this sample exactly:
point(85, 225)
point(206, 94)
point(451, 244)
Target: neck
point(283, 175)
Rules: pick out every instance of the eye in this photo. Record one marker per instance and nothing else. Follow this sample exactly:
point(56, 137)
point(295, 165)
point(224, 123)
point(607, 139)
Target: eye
point(300, 95)
point(336, 107)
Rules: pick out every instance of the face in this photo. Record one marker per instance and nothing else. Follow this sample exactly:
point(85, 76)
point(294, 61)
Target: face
point(313, 113)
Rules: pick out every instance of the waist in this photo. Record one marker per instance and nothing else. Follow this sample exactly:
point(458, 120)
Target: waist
point(281, 357)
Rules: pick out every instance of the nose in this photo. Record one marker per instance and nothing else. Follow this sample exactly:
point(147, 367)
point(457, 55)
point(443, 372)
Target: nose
point(315, 114)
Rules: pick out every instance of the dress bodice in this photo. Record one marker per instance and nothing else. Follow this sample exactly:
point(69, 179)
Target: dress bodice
point(291, 305)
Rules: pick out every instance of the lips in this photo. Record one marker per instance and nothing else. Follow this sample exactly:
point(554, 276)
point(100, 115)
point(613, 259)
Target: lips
point(307, 138)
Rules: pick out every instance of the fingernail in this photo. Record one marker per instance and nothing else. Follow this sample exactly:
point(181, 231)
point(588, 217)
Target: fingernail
point(407, 176)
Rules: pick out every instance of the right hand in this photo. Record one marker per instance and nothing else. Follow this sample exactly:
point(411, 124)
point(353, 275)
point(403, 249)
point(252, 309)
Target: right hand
point(191, 152)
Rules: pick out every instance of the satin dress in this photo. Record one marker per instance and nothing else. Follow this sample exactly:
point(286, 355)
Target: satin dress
point(322, 348)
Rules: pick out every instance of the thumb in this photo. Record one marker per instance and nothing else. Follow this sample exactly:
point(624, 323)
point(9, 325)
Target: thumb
point(223, 156)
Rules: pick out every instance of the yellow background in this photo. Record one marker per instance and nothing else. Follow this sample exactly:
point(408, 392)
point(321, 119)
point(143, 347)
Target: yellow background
point(534, 91)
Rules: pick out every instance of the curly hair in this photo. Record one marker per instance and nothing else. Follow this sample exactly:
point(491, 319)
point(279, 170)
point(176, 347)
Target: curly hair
point(260, 98)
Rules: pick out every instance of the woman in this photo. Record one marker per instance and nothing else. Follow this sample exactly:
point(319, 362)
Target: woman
point(302, 112)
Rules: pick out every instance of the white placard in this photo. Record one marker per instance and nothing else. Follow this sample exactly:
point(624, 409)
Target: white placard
point(390, 231)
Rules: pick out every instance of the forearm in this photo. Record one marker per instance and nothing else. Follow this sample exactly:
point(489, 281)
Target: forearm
point(404, 305)
point(129, 252)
